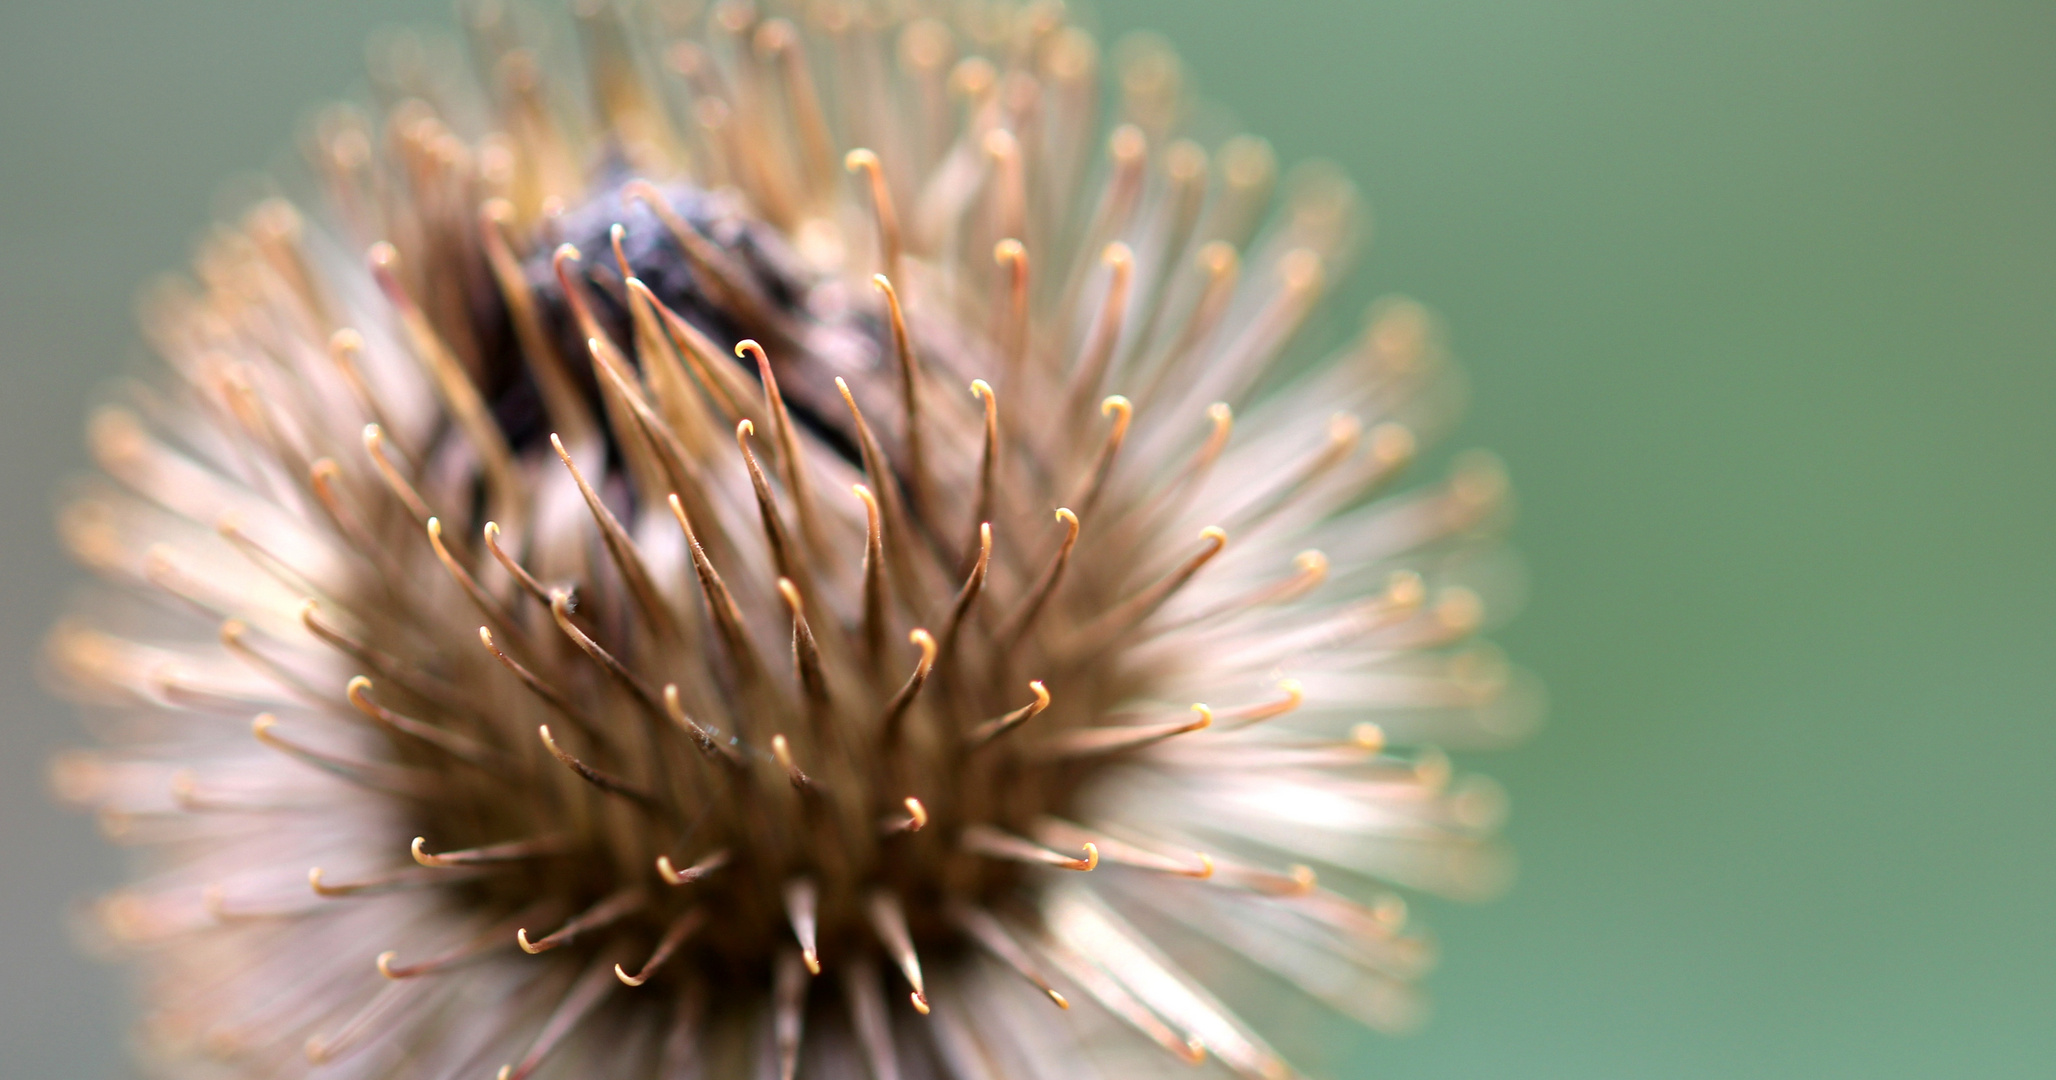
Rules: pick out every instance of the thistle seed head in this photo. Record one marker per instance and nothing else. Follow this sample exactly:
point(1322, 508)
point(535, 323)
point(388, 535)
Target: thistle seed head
point(818, 567)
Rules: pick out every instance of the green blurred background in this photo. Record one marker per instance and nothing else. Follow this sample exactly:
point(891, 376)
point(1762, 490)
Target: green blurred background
point(1759, 299)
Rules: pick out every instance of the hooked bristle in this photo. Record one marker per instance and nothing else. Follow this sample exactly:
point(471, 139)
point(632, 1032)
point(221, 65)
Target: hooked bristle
point(640, 621)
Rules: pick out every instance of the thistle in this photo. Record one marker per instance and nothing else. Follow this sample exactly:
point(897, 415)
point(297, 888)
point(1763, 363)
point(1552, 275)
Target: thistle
point(825, 566)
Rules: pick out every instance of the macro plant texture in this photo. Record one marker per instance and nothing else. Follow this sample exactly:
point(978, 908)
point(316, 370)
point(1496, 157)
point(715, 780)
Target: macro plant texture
point(786, 540)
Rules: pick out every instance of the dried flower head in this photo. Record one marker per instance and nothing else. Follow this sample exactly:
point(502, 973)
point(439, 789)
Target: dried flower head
point(714, 604)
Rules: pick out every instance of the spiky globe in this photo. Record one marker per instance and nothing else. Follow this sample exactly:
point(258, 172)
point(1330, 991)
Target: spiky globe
point(714, 602)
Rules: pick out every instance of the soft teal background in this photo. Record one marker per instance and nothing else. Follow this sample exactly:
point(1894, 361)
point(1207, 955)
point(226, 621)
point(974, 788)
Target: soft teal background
point(1760, 303)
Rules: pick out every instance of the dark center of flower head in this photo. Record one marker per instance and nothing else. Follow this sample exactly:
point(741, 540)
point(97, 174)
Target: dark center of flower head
point(732, 278)
point(717, 613)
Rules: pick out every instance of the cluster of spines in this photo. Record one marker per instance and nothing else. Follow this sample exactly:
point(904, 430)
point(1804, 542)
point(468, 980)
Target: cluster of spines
point(668, 438)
